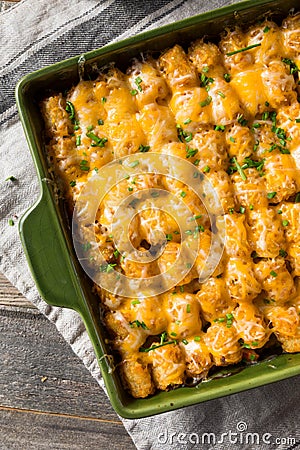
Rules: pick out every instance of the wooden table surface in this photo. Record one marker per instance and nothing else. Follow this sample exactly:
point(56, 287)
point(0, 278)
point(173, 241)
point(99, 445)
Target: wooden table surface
point(48, 399)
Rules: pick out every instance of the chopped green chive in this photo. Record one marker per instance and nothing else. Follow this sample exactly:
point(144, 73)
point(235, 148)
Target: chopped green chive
point(282, 253)
point(133, 92)
point(251, 207)
point(173, 334)
point(78, 140)
point(273, 273)
point(100, 122)
point(197, 338)
point(11, 178)
point(227, 77)
point(206, 102)
point(188, 308)
point(169, 237)
point(266, 29)
point(11, 222)
point(297, 198)
point(285, 223)
point(267, 104)
point(297, 120)
point(135, 302)
point(72, 183)
point(243, 49)
point(138, 82)
point(271, 195)
point(220, 128)
point(137, 324)
point(98, 142)
point(183, 194)
point(133, 164)
point(84, 165)
point(187, 121)
point(206, 169)
point(130, 189)
point(190, 152)
point(103, 99)
point(232, 139)
point(242, 210)
point(184, 341)
point(144, 148)
point(279, 211)
point(90, 127)
point(239, 169)
point(70, 110)
point(241, 119)
point(221, 94)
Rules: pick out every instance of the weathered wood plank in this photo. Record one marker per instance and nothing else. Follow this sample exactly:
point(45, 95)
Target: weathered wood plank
point(29, 431)
point(10, 296)
point(32, 349)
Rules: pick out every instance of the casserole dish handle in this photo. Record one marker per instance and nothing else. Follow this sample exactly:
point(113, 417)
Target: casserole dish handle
point(45, 246)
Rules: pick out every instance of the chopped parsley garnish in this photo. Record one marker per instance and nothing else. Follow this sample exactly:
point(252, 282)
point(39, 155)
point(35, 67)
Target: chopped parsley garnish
point(243, 49)
point(144, 148)
point(271, 195)
point(206, 102)
point(273, 273)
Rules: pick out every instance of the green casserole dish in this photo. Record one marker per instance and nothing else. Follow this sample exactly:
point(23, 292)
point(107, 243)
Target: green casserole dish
point(46, 237)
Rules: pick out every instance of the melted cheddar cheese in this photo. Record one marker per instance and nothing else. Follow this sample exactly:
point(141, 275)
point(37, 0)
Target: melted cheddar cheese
point(232, 111)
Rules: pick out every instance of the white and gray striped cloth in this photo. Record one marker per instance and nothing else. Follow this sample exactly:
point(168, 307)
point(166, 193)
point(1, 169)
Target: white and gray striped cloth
point(36, 33)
